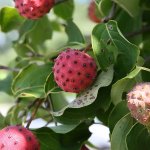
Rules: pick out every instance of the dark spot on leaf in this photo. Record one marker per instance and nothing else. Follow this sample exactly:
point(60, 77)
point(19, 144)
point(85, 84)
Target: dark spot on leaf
point(79, 102)
point(92, 97)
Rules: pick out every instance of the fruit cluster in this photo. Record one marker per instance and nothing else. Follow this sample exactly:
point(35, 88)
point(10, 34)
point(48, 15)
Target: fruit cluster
point(74, 70)
point(18, 138)
point(34, 9)
point(139, 103)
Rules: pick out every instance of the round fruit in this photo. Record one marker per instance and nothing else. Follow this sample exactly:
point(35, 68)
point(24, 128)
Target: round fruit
point(139, 103)
point(34, 9)
point(18, 138)
point(92, 12)
point(74, 70)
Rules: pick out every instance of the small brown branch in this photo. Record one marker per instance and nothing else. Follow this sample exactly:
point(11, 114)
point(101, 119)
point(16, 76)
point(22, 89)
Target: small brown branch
point(28, 107)
point(143, 30)
point(9, 69)
point(59, 1)
point(89, 47)
point(39, 102)
point(111, 14)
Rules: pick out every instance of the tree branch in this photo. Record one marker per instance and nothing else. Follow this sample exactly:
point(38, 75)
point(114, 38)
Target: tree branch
point(9, 69)
point(28, 107)
point(39, 102)
point(111, 14)
point(143, 30)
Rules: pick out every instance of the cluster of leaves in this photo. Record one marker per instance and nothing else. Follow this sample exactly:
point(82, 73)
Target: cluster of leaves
point(119, 44)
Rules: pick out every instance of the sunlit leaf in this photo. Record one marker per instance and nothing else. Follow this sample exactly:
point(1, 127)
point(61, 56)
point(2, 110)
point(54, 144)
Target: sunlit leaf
point(30, 81)
point(118, 137)
point(10, 19)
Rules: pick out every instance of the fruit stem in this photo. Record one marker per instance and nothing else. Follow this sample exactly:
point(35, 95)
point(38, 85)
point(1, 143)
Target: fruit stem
point(51, 108)
point(89, 47)
point(39, 102)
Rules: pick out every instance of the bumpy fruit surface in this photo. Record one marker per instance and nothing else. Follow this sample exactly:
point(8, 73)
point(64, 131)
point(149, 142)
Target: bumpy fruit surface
point(74, 70)
point(34, 9)
point(92, 12)
point(18, 138)
point(139, 103)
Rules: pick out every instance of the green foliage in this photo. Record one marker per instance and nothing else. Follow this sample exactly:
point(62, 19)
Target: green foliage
point(9, 19)
point(120, 45)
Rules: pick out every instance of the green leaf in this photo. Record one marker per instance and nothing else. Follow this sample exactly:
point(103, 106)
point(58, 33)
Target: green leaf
point(26, 27)
point(42, 31)
point(117, 113)
point(126, 29)
point(141, 139)
point(10, 19)
point(118, 137)
point(30, 81)
point(5, 84)
point(74, 116)
point(63, 129)
point(73, 32)
point(109, 46)
point(71, 140)
point(13, 115)
point(65, 9)
point(50, 85)
point(2, 123)
point(88, 96)
point(105, 7)
point(124, 84)
point(131, 7)
point(24, 50)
